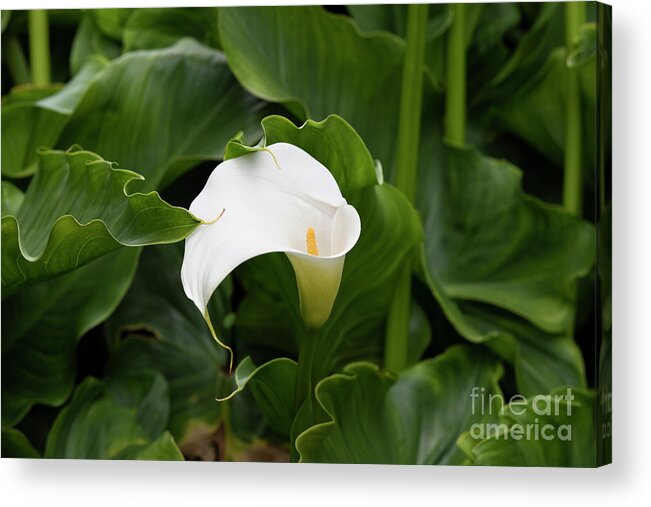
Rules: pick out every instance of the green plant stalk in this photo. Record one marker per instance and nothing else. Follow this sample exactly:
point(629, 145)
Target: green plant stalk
point(572, 188)
point(303, 387)
point(16, 61)
point(39, 46)
point(411, 100)
point(572, 181)
point(455, 97)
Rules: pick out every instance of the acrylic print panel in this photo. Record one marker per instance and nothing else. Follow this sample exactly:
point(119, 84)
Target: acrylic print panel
point(352, 234)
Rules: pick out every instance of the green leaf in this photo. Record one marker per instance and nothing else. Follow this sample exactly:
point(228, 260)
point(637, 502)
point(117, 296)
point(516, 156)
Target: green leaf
point(390, 230)
point(97, 426)
point(42, 322)
point(37, 118)
point(317, 64)
point(501, 265)
point(159, 28)
point(5, 16)
point(272, 385)
point(536, 111)
point(325, 140)
point(16, 445)
point(156, 327)
point(161, 112)
point(420, 334)
point(90, 43)
point(485, 26)
point(533, 48)
point(76, 209)
point(147, 390)
point(415, 418)
point(111, 22)
point(12, 198)
point(565, 430)
point(487, 241)
point(164, 448)
point(542, 361)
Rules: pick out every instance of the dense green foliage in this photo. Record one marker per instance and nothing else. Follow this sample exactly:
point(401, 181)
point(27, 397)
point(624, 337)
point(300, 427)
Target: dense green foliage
point(103, 355)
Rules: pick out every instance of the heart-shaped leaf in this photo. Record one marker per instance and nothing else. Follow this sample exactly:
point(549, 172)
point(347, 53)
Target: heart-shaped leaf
point(502, 265)
point(162, 111)
point(42, 322)
point(76, 209)
point(96, 425)
point(317, 64)
point(487, 241)
point(415, 418)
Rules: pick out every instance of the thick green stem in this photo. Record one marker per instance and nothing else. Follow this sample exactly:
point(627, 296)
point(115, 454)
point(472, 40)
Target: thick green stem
point(455, 98)
point(16, 61)
point(395, 348)
point(572, 182)
point(411, 100)
point(303, 387)
point(572, 185)
point(39, 47)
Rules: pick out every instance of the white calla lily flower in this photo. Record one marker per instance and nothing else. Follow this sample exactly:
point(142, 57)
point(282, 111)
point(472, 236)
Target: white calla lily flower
point(277, 199)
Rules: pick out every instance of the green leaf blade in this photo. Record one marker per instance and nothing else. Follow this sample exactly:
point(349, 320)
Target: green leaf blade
point(77, 209)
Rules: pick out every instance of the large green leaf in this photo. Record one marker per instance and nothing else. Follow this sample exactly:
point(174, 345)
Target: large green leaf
point(89, 43)
point(37, 118)
point(415, 418)
point(157, 327)
point(487, 241)
point(42, 322)
point(390, 230)
point(76, 209)
point(97, 425)
point(541, 361)
point(536, 111)
point(16, 445)
point(502, 265)
point(159, 28)
point(547, 430)
point(272, 386)
point(317, 64)
point(162, 111)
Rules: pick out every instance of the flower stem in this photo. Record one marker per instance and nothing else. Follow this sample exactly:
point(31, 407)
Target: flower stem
point(39, 46)
point(16, 61)
point(303, 387)
point(572, 188)
point(411, 100)
point(572, 182)
point(455, 98)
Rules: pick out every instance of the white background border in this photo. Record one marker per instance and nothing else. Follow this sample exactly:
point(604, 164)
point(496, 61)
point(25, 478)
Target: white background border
point(627, 482)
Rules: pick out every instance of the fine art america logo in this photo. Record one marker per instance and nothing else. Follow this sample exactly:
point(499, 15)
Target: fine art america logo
point(544, 408)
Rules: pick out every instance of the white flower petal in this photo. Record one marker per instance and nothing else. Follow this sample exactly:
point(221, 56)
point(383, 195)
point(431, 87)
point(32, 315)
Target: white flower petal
point(266, 202)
